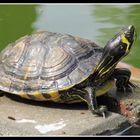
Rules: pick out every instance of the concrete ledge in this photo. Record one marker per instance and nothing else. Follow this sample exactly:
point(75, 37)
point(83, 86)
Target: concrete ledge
point(22, 117)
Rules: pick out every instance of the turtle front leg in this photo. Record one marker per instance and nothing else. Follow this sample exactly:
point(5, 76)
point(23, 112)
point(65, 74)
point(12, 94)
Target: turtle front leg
point(92, 103)
point(123, 83)
point(88, 95)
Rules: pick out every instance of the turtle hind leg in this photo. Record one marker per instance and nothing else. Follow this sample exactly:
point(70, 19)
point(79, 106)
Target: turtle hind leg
point(88, 95)
point(123, 83)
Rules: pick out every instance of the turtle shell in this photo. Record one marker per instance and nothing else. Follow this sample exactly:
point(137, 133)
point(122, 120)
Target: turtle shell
point(46, 61)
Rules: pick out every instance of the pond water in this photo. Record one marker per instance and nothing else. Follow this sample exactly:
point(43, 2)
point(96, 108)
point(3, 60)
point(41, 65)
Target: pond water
point(97, 22)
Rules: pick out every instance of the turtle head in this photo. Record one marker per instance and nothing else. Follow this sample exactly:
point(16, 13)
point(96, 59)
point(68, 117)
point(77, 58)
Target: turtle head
point(118, 47)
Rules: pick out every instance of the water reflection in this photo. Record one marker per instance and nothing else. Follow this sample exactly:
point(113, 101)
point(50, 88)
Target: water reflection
point(71, 19)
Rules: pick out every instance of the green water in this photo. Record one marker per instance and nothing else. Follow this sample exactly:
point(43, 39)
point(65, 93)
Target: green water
point(96, 22)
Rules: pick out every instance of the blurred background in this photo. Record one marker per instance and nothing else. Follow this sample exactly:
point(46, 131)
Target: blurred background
point(92, 21)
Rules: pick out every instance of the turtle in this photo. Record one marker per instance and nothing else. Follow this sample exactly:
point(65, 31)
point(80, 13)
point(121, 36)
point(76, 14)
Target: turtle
point(62, 68)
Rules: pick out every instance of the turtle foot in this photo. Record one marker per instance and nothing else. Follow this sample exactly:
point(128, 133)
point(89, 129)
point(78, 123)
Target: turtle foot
point(101, 111)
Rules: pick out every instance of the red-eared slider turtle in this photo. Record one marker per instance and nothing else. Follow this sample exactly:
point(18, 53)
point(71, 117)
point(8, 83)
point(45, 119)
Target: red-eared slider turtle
point(63, 68)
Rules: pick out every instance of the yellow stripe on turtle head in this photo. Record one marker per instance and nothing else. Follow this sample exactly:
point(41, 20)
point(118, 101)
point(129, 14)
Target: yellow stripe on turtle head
point(125, 40)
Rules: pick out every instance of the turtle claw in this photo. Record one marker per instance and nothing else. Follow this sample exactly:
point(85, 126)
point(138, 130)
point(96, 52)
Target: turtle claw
point(101, 111)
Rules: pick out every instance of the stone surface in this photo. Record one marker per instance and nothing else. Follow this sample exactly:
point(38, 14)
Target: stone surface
point(28, 118)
